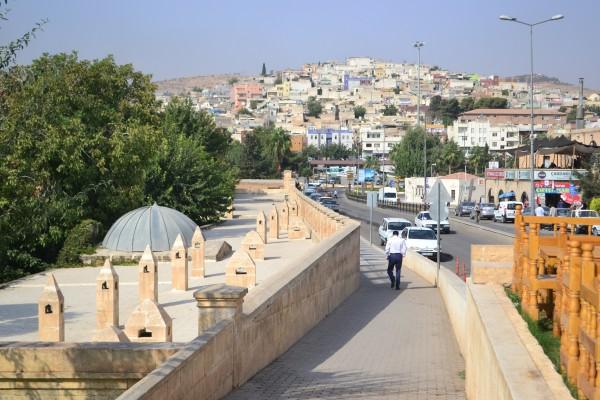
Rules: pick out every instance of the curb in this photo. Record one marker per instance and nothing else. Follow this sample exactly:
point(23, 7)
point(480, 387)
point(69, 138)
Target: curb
point(482, 227)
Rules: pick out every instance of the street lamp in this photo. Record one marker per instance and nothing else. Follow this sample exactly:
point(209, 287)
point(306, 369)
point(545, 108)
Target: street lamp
point(531, 132)
point(418, 46)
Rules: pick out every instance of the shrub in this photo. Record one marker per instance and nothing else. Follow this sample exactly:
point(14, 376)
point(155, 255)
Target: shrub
point(595, 204)
point(82, 239)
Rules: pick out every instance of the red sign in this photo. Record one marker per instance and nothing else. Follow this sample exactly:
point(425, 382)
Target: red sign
point(552, 184)
point(494, 173)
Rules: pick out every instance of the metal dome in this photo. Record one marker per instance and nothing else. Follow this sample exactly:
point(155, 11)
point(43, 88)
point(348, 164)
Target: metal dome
point(154, 225)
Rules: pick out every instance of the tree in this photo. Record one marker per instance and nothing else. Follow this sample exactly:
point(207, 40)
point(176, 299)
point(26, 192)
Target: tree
point(264, 70)
point(359, 112)
point(390, 110)
point(479, 158)
point(278, 145)
point(314, 107)
point(244, 111)
point(371, 163)
point(407, 155)
point(233, 81)
point(491, 102)
point(590, 180)
point(505, 92)
point(450, 112)
point(335, 152)
point(450, 156)
point(467, 104)
point(9, 51)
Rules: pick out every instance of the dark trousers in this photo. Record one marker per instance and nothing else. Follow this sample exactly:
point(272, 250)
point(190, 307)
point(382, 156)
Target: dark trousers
point(394, 260)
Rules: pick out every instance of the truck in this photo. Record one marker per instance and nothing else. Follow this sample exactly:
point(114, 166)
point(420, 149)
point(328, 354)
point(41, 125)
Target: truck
point(388, 195)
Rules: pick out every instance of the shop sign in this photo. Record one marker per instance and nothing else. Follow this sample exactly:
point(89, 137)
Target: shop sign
point(494, 173)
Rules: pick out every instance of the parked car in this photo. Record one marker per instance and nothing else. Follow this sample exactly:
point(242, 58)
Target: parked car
point(586, 214)
point(330, 203)
point(486, 211)
point(315, 196)
point(505, 211)
point(422, 240)
point(464, 208)
point(423, 219)
point(389, 225)
point(309, 190)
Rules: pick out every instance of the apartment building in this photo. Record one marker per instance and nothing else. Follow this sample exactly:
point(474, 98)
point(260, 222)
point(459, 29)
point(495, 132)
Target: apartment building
point(242, 93)
point(501, 129)
point(376, 142)
point(327, 136)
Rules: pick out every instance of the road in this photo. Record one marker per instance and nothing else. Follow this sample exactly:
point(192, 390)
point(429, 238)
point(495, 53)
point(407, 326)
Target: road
point(455, 245)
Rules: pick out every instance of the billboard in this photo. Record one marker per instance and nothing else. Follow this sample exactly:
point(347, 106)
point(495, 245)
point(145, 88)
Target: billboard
point(366, 175)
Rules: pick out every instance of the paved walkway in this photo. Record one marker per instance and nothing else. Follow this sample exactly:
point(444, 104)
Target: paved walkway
point(379, 344)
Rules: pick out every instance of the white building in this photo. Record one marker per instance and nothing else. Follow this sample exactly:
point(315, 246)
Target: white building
point(459, 186)
point(374, 142)
point(327, 136)
point(479, 133)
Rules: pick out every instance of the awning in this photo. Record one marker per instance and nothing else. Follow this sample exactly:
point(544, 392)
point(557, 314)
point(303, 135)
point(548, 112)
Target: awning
point(558, 145)
point(506, 195)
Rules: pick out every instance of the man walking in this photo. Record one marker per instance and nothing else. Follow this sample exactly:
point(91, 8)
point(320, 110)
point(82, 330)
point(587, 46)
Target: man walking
point(395, 249)
point(477, 212)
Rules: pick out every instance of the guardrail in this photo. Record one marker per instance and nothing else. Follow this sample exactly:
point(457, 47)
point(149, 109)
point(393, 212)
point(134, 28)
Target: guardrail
point(401, 206)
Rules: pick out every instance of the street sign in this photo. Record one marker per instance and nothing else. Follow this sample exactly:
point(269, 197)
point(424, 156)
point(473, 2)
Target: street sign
point(438, 207)
point(372, 199)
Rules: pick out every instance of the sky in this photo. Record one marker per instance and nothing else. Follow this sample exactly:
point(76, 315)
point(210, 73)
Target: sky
point(177, 38)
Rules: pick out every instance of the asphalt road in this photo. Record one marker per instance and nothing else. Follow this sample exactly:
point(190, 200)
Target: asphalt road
point(455, 245)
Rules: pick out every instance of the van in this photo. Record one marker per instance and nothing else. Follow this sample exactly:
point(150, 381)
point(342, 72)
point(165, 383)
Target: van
point(387, 195)
point(505, 211)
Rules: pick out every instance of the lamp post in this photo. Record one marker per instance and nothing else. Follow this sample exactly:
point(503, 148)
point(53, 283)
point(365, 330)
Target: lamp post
point(531, 132)
point(418, 46)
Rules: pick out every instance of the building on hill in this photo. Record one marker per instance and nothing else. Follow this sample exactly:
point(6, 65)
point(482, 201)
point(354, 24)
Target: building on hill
point(328, 136)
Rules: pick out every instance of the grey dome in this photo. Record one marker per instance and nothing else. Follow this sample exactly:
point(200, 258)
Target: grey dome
point(154, 225)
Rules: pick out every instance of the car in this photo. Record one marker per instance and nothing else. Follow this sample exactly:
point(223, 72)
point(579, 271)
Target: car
point(330, 203)
point(423, 219)
point(464, 208)
point(505, 211)
point(586, 214)
point(309, 190)
point(389, 225)
point(315, 196)
point(422, 240)
point(486, 211)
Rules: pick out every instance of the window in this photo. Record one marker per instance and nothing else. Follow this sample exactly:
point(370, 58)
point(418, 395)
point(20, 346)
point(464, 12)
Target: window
point(494, 144)
point(453, 194)
point(368, 145)
point(494, 134)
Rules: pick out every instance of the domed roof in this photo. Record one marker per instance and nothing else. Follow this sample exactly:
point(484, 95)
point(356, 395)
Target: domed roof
point(154, 225)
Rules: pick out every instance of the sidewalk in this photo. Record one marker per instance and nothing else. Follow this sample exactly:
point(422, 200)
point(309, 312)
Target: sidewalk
point(379, 344)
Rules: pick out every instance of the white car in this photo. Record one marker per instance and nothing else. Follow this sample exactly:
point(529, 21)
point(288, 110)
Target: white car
point(421, 240)
point(389, 225)
point(505, 211)
point(423, 219)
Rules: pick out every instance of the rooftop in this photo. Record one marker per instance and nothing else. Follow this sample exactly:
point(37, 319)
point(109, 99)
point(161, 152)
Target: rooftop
point(513, 111)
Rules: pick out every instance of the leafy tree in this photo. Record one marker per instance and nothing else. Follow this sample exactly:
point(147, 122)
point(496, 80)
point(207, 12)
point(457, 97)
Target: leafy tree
point(314, 107)
point(479, 158)
point(9, 51)
point(335, 152)
point(505, 92)
point(450, 156)
point(467, 104)
point(233, 81)
point(371, 163)
point(359, 112)
point(491, 102)
point(263, 72)
point(278, 145)
point(390, 110)
point(407, 155)
point(253, 161)
point(450, 112)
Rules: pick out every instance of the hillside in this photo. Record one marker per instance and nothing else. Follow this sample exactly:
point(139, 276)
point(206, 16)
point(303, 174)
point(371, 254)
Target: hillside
point(186, 84)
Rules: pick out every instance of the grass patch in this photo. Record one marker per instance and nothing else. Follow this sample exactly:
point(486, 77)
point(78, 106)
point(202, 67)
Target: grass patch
point(542, 332)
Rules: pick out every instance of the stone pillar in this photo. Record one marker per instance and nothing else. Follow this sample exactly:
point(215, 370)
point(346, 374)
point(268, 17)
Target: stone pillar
point(254, 245)
point(288, 182)
point(179, 265)
point(284, 218)
point(217, 303)
point(197, 253)
point(148, 276)
point(51, 312)
point(241, 270)
point(274, 223)
point(149, 322)
point(107, 297)
point(261, 226)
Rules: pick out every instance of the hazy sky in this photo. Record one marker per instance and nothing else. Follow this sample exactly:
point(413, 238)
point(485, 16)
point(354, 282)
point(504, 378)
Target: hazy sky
point(181, 38)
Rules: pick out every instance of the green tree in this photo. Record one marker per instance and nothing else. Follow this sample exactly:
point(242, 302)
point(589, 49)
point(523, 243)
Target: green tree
point(359, 112)
point(371, 163)
point(467, 104)
point(505, 92)
point(390, 110)
point(314, 107)
point(491, 102)
point(263, 72)
point(335, 152)
point(450, 112)
point(278, 145)
point(233, 81)
point(479, 158)
point(407, 155)
point(450, 156)
point(10, 50)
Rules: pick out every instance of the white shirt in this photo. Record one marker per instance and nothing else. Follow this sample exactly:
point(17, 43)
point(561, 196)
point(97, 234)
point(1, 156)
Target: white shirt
point(539, 211)
point(395, 245)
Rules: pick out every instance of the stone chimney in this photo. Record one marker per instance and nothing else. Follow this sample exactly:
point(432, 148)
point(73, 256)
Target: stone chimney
point(148, 276)
point(51, 312)
point(149, 322)
point(179, 265)
point(254, 245)
point(197, 253)
point(274, 224)
point(107, 297)
point(241, 270)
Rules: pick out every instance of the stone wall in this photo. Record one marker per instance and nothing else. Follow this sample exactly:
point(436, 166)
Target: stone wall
point(259, 186)
point(491, 263)
point(275, 315)
point(78, 370)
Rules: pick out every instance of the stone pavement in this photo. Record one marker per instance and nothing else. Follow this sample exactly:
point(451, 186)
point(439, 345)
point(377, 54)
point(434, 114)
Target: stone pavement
point(379, 344)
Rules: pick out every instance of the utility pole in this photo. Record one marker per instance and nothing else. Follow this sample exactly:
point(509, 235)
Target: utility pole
point(418, 46)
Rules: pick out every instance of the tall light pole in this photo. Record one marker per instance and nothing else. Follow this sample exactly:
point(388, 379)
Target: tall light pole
point(418, 46)
point(531, 132)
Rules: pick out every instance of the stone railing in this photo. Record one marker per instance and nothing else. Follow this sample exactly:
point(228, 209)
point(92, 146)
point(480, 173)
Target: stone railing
point(556, 275)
